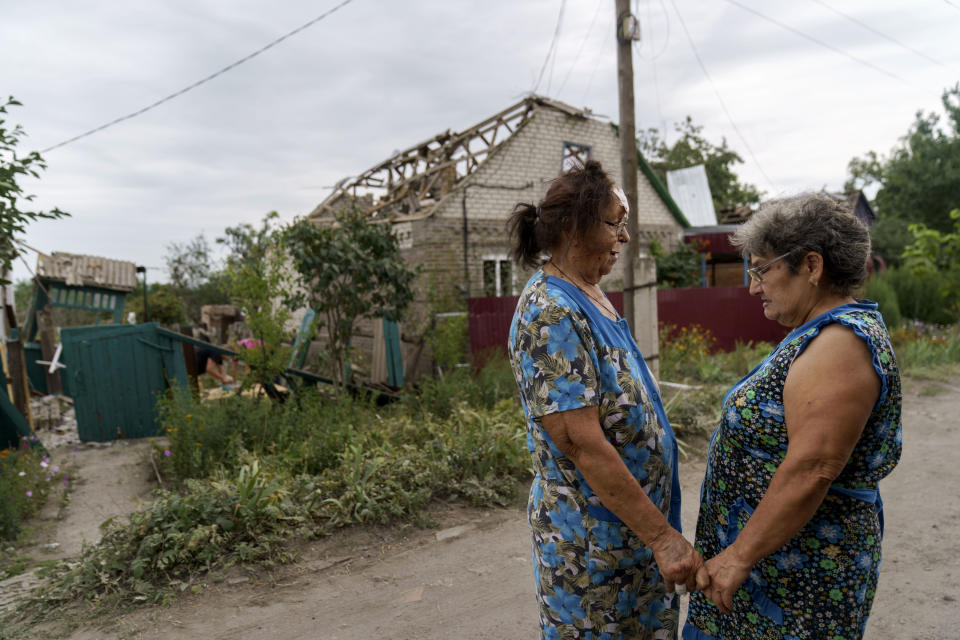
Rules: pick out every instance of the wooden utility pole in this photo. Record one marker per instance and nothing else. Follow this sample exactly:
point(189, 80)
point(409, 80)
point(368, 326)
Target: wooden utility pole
point(639, 268)
point(628, 150)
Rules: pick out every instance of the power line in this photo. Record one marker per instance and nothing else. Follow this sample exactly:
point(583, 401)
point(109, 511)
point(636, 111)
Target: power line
point(576, 58)
point(815, 40)
point(719, 97)
point(553, 43)
point(199, 82)
point(596, 63)
point(874, 31)
point(666, 39)
point(952, 5)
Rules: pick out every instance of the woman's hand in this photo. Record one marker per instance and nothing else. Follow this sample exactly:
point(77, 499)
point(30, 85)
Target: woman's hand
point(679, 562)
point(727, 573)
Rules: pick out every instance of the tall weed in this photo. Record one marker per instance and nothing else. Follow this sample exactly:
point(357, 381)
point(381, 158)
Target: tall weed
point(27, 476)
point(921, 346)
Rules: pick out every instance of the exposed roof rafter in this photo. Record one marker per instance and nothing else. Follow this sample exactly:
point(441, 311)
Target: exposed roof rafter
point(413, 182)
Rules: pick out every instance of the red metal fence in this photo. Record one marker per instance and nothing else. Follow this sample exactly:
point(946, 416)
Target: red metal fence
point(729, 313)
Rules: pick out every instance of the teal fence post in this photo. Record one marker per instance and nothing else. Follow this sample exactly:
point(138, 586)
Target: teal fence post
point(391, 337)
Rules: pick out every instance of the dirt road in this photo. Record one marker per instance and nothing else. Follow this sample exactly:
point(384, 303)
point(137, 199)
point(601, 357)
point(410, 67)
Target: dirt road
point(471, 576)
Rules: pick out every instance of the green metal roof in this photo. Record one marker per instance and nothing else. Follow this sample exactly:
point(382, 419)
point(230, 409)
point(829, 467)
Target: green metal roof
point(661, 190)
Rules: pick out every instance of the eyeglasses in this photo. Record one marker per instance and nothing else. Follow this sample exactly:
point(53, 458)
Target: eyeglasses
point(756, 273)
point(618, 227)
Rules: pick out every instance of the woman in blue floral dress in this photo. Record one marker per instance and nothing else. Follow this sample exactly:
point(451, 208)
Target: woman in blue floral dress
point(604, 505)
point(790, 517)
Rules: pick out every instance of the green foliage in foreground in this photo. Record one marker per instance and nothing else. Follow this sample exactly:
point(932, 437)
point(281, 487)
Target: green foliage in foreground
point(27, 478)
point(251, 474)
point(923, 349)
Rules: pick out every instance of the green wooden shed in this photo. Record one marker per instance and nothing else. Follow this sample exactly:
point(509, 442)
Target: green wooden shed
point(117, 373)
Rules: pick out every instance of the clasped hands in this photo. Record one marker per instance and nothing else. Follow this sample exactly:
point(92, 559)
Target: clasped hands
point(684, 570)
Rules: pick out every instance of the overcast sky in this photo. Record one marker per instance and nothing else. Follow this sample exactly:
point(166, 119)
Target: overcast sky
point(377, 76)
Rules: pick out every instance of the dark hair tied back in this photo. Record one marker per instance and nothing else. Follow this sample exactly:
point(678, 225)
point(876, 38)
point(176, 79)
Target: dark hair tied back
point(574, 204)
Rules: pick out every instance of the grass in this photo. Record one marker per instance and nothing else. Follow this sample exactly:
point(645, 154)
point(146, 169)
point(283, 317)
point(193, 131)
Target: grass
point(926, 350)
point(687, 357)
point(245, 476)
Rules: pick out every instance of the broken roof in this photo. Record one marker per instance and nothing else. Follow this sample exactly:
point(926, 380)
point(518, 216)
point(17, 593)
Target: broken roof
point(412, 182)
point(77, 270)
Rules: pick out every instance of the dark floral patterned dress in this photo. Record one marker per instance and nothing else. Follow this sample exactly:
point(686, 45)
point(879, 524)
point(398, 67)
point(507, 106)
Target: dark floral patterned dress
point(821, 583)
point(595, 579)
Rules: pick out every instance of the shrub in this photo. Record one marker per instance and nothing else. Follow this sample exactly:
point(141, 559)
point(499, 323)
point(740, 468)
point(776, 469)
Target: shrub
point(923, 299)
point(879, 289)
point(206, 525)
point(678, 269)
point(26, 477)
point(449, 341)
point(682, 350)
point(919, 345)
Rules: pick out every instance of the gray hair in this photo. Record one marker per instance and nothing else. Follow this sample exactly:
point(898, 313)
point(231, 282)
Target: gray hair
point(810, 222)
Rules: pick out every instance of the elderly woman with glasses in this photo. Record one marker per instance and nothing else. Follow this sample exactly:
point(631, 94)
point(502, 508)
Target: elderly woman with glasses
point(604, 504)
point(790, 518)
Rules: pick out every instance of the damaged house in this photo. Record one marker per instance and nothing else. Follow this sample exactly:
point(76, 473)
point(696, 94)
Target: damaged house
point(449, 197)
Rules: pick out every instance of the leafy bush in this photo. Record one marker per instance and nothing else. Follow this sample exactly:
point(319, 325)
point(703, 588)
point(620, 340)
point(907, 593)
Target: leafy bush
point(683, 350)
point(922, 346)
point(26, 477)
point(449, 342)
point(678, 269)
point(439, 395)
point(879, 289)
point(166, 304)
point(207, 525)
point(922, 299)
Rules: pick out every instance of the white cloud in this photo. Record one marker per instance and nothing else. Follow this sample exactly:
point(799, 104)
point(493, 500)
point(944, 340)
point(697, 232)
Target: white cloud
point(376, 77)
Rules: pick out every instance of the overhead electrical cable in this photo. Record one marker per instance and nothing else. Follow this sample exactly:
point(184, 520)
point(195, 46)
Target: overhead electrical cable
point(596, 63)
point(815, 40)
point(666, 38)
point(720, 97)
point(957, 7)
point(553, 44)
point(200, 82)
point(879, 33)
point(576, 58)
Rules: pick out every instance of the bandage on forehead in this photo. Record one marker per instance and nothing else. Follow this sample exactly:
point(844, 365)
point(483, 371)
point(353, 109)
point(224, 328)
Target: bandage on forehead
point(621, 197)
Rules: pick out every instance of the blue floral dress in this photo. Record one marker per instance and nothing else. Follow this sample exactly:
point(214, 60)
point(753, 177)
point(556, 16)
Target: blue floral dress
point(595, 578)
point(821, 583)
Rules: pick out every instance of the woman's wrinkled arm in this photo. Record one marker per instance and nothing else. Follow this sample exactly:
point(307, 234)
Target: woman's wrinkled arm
point(577, 433)
point(828, 396)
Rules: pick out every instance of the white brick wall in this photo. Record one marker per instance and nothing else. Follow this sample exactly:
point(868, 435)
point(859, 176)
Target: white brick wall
point(521, 171)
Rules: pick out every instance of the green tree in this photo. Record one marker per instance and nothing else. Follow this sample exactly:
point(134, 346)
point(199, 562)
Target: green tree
point(166, 304)
point(248, 244)
point(189, 264)
point(679, 269)
point(934, 258)
point(348, 271)
point(14, 167)
point(691, 149)
point(257, 286)
point(195, 276)
point(919, 181)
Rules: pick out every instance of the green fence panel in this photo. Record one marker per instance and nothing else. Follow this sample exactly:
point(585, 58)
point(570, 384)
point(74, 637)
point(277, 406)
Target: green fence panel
point(117, 373)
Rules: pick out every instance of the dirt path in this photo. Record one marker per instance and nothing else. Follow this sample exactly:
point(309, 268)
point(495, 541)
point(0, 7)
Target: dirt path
point(471, 577)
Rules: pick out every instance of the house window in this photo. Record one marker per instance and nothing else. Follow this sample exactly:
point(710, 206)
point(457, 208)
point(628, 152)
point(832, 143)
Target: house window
point(498, 276)
point(574, 156)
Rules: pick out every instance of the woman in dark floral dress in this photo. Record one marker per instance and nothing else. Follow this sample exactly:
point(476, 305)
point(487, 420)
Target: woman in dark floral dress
point(604, 505)
point(790, 517)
